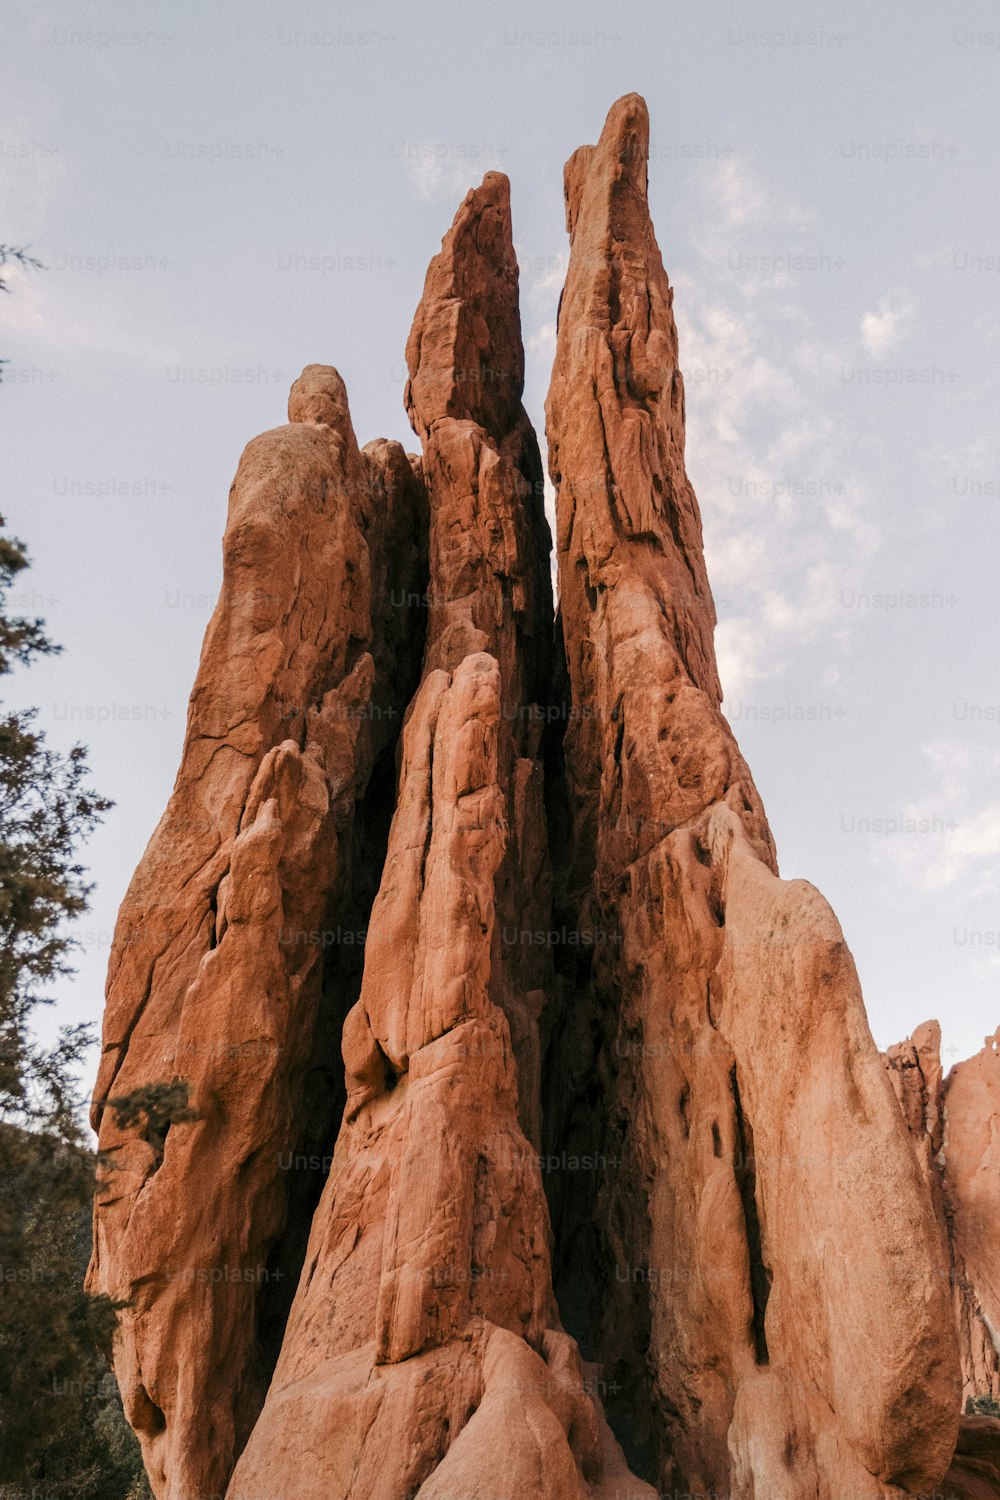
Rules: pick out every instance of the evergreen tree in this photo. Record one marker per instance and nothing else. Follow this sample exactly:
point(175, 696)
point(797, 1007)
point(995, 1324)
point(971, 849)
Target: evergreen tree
point(61, 1426)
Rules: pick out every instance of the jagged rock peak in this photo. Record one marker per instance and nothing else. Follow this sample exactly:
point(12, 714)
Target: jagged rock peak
point(615, 411)
point(319, 395)
point(620, 157)
point(730, 995)
point(219, 976)
point(464, 354)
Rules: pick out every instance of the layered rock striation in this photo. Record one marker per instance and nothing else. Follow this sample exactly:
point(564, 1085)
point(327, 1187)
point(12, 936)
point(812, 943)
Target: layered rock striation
point(524, 1133)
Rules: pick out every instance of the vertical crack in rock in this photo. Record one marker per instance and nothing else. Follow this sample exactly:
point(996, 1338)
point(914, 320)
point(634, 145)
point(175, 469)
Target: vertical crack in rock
point(394, 523)
point(672, 867)
point(746, 1180)
point(490, 562)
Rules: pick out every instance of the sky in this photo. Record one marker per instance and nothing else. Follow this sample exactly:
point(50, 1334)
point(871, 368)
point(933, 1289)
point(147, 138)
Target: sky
point(223, 193)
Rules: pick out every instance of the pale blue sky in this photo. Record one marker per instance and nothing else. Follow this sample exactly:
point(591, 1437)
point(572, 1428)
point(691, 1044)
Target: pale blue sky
point(226, 192)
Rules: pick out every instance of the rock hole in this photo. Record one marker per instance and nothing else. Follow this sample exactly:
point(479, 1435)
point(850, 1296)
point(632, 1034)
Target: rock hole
point(146, 1416)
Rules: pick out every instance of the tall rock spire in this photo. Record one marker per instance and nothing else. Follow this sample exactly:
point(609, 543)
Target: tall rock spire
point(952, 1121)
point(424, 1341)
point(742, 1091)
point(217, 974)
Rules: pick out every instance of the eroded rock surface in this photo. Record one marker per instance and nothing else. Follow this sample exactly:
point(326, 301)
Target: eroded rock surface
point(216, 973)
point(540, 1150)
point(748, 1108)
point(953, 1124)
point(427, 1283)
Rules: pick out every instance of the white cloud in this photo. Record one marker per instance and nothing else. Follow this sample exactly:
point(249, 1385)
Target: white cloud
point(439, 171)
point(887, 326)
point(542, 343)
point(785, 501)
point(744, 200)
point(958, 815)
point(542, 276)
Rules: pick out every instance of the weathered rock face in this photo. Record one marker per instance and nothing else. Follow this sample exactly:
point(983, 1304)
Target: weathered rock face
point(975, 1469)
point(744, 1099)
point(953, 1125)
point(216, 973)
point(491, 588)
point(426, 1294)
point(971, 1161)
point(540, 1147)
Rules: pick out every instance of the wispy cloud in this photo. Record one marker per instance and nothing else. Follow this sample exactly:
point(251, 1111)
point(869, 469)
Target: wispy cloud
point(785, 503)
point(743, 200)
point(887, 326)
point(959, 806)
point(440, 171)
point(543, 341)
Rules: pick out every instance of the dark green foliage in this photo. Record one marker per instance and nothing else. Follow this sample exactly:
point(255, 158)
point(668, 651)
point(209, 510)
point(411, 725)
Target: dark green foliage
point(153, 1109)
point(982, 1406)
point(63, 1431)
point(46, 810)
point(61, 1428)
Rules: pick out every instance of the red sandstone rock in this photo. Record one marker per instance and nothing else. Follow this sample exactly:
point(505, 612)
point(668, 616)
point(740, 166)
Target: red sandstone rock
point(799, 1337)
point(215, 973)
point(953, 1125)
point(490, 546)
point(427, 1274)
point(732, 1277)
point(975, 1469)
point(971, 1156)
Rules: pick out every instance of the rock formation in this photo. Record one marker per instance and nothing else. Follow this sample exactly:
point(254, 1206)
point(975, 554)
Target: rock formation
point(424, 1336)
point(953, 1123)
point(216, 972)
point(536, 1146)
point(747, 1101)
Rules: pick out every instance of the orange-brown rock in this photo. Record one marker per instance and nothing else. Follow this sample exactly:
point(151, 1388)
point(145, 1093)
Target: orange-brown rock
point(427, 1284)
point(975, 1469)
point(971, 1160)
point(767, 1229)
point(490, 546)
point(953, 1123)
point(540, 1148)
point(217, 970)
